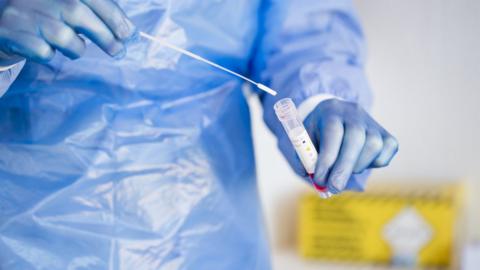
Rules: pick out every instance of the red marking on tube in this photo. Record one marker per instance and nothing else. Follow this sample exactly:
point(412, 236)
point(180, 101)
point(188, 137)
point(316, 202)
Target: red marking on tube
point(317, 187)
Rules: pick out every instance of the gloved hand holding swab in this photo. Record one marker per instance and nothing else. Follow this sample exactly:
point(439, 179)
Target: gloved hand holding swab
point(198, 57)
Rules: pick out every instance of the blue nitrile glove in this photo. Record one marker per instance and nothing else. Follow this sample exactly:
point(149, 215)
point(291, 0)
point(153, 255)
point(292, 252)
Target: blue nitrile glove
point(348, 140)
point(35, 29)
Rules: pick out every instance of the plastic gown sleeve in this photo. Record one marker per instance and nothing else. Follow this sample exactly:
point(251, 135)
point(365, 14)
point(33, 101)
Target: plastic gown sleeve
point(8, 76)
point(309, 49)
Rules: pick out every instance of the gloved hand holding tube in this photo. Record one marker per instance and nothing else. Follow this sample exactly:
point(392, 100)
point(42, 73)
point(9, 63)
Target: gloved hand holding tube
point(349, 141)
point(34, 30)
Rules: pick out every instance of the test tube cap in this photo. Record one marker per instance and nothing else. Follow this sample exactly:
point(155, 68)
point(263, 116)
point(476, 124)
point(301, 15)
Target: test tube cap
point(285, 108)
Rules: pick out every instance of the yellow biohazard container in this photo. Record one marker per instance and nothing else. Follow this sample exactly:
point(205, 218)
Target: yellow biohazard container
point(364, 227)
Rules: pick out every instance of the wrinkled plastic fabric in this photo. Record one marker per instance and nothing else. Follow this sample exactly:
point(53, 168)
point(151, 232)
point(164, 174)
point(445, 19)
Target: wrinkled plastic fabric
point(139, 163)
point(147, 162)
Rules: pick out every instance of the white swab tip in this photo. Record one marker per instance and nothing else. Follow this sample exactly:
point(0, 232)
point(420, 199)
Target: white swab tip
point(145, 35)
point(266, 89)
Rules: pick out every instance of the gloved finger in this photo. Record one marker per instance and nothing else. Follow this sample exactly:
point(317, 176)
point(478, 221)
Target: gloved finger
point(329, 138)
point(82, 19)
point(352, 145)
point(289, 153)
point(372, 148)
point(390, 148)
point(114, 17)
point(54, 32)
point(62, 38)
point(26, 45)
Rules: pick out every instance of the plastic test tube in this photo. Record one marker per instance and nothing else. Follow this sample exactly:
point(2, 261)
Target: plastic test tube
point(287, 114)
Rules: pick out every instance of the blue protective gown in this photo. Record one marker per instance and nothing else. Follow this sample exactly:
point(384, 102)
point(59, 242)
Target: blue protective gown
point(146, 162)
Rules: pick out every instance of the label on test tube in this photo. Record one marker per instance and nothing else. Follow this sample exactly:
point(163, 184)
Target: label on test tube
point(305, 150)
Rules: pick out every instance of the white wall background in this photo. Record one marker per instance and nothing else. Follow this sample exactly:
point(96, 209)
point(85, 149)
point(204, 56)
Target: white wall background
point(424, 67)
